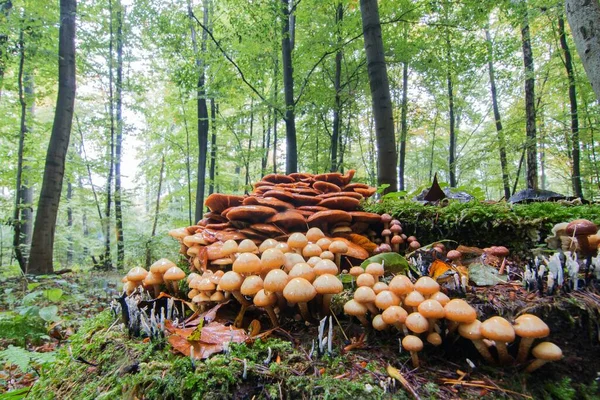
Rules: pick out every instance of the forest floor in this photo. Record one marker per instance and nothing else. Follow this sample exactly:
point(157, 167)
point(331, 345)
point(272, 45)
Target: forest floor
point(61, 328)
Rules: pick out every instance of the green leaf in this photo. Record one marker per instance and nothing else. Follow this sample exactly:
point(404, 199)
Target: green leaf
point(16, 394)
point(53, 295)
point(30, 298)
point(484, 275)
point(392, 262)
point(16, 356)
point(32, 285)
point(49, 314)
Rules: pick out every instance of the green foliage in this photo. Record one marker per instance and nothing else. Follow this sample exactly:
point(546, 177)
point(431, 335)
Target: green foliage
point(23, 327)
point(24, 359)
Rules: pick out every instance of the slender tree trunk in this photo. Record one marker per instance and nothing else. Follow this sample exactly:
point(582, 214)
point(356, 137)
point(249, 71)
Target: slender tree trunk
point(335, 132)
point(22, 217)
point(107, 211)
point(435, 120)
point(403, 125)
point(250, 143)
point(202, 109)
point(380, 96)
point(275, 93)
point(452, 147)
point(119, 142)
point(70, 244)
point(5, 8)
point(531, 145)
point(497, 119)
point(266, 142)
point(213, 146)
point(584, 19)
point(575, 152)
point(42, 246)
point(188, 163)
point(89, 171)
point(156, 213)
point(84, 225)
point(291, 157)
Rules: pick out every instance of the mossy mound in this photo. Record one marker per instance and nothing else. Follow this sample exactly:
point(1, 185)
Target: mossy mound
point(134, 368)
point(520, 227)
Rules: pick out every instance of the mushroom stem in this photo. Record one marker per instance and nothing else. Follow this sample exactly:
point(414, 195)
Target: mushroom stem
point(415, 358)
point(326, 303)
point(483, 350)
point(338, 260)
point(156, 289)
point(524, 346)
point(240, 317)
point(502, 266)
point(238, 296)
point(281, 303)
point(363, 320)
point(537, 363)
point(304, 311)
point(503, 355)
point(272, 315)
point(372, 309)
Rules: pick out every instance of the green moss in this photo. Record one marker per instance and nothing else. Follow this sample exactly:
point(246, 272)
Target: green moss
point(521, 227)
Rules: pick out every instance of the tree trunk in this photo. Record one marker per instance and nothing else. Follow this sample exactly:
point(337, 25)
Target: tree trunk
point(5, 8)
point(291, 157)
point(275, 93)
point(22, 217)
point(403, 125)
point(380, 96)
point(452, 147)
point(107, 259)
point(119, 115)
point(155, 223)
point(266, 142)
point(531, 145)
point(202, 110)
point(500, 132)
point(70, 243)
point(247, 166)
point(584, 19)
point(335, 132)
point(42, 246)
point(576, 172)
point(213, 146)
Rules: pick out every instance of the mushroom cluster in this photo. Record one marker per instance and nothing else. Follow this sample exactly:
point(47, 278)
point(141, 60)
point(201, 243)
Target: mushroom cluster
point(420, 310)
point(279, 206)
point(161, 272)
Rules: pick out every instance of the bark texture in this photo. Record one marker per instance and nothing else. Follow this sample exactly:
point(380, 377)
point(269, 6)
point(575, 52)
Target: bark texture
point(497, 119)
point(575, 149)
point(403, 125)
point(291, 157)
point(381, 100)
point(42, 246)
point(119, 142)
point(530, 113)
point(584, 19)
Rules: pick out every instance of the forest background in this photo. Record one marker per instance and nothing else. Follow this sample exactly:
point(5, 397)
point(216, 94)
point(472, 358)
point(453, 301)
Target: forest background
point(172, 91)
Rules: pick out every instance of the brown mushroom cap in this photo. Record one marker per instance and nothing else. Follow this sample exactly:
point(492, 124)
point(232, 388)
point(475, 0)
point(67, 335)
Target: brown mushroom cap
point(431, 309)
point(264, 298)
point(314, 234)
point(251, 285)
point(153, 279)
point(471, 331)
point(272, 259)
point(289, 219)
point(340, 203)
point(297, 240)
point(416, 322)
point(278, 178)
point(454, 255)
point(280, 194)
point(217, 202)
point(459, 310)
point(331, 217)
point(328, 284)
point(247, 246)
point(247, 263)
point(498, 329)
point(136, 274)
point(441, 298)
point(365, 279)
point(161, 266)
point(326, 267)
point(529, 325)
point(267, 202)
point(375, 269)
point(385, 299)
point(302, 270)
point(174, 274)
point(326, 187)
point(412, 343)
point(394, 314)
point(581, 227)
point(231, 281)
point(250, 213)
point(499, 251)
point(299, 290)
point(547, 351)
point(361, 216)
point(413, 299)
point(276, 280)
point(311, 250)
point(401, 285)
point(355, 308)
